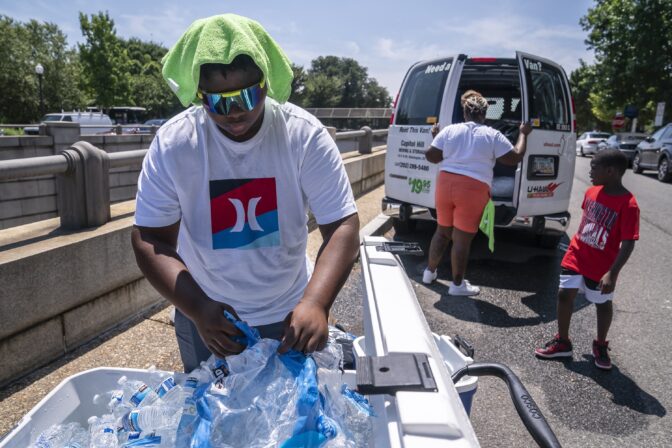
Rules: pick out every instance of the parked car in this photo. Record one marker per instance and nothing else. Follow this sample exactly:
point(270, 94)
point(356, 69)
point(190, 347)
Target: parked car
point(626, 142)
point(149, 126)
point(588, 141)
point(102, 122)
point(655, 153)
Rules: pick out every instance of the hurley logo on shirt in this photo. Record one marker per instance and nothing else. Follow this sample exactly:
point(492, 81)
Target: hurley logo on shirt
point(596, 224)
point(244, 213)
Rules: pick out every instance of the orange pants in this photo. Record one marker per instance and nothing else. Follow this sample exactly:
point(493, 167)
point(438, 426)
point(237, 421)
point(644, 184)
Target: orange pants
point(460, 201)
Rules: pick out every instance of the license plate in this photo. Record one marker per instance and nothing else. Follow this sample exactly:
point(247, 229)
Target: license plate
point(543, 166)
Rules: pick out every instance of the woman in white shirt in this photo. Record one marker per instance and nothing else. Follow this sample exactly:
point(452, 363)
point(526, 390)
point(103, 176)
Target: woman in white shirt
point(467, 153)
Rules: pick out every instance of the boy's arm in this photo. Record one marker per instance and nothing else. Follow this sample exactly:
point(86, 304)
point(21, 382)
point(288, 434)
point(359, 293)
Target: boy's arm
point(307, 325)
point(157, 258)
point(608, 280)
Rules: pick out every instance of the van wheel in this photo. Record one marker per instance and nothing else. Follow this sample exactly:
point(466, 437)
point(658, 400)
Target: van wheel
point(548, 241)
point(635, 165)
point(404, 227)
point(664, 174)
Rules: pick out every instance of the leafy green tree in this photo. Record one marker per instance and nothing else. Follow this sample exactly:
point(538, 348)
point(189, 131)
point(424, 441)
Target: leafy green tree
point(105, 61)
point(22, 46)
point(323, 90)
point(346, 76)
point(632, 40)
point(298, 95)
point(581, 80)
point(148, 88)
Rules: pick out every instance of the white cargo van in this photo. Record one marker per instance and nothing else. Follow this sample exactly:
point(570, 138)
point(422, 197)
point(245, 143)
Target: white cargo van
point(535, 194)
point(93, 122)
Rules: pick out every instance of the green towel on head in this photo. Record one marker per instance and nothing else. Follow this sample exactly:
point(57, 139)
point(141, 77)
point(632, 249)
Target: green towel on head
point(218, 40)
point(487, 224)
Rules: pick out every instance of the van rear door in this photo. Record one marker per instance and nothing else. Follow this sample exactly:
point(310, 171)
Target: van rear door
point(547, 171)
point(424, 99)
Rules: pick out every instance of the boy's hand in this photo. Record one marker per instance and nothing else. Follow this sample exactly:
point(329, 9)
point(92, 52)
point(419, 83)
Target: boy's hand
point(607, 283)
point(216, 330)
point(306, 328)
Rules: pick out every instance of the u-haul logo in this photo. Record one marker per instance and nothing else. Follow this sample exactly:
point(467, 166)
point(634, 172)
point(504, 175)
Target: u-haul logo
point(542, 191)
point(437, 68)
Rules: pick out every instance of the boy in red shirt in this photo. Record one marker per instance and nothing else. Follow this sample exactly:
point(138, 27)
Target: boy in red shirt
point(605, 239)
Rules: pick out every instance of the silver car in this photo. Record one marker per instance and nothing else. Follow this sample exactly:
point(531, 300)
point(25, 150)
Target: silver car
point(588, 141)
point(626, 142)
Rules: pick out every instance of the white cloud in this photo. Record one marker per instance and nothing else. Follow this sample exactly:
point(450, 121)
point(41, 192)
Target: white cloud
point(352, 48)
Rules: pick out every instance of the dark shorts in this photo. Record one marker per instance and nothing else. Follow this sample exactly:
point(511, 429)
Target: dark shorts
point(192, 348)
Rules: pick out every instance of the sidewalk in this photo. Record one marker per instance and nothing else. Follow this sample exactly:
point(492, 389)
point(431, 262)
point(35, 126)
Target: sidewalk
point(146, 340)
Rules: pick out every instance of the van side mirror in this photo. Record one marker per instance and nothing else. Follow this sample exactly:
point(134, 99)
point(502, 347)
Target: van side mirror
point(649, 139)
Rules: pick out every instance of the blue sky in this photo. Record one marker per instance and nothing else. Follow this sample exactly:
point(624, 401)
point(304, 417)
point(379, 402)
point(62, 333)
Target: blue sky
point(384, 36)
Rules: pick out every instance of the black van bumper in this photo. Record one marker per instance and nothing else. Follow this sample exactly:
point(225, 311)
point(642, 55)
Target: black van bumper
point(551, 224)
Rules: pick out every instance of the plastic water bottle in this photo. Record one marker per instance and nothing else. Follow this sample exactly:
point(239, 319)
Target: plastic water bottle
point(70, 435)
point(137, 393)
point(149, 418)
point(188, 420)
point(103, 434)
point(170, 392)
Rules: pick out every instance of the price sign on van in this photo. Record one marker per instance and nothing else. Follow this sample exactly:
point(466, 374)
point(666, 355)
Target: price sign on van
point(408, 175)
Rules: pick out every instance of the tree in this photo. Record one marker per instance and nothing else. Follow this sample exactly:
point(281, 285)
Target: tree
point(632, 40)
point(105, 61)
point(298, 95)
point(342, 82)
point(22, 46)
point(581, 80)
point(148, 88)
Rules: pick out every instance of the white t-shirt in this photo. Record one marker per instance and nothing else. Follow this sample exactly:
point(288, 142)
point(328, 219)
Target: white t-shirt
point(470, 149)
point(244, 206)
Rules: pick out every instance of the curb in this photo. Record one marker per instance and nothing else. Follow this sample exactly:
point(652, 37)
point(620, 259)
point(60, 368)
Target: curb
point(376, 227)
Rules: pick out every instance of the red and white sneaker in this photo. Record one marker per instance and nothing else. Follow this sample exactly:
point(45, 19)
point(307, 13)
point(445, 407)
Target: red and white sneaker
point(601, 355)
point(555, 348)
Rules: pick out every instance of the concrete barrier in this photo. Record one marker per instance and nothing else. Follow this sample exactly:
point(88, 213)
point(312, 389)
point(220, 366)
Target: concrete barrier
point(60, 289)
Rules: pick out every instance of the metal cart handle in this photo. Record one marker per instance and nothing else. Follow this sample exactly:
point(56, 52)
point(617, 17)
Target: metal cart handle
point(527, 409)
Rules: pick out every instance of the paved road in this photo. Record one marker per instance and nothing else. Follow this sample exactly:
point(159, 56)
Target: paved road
point(628, 406)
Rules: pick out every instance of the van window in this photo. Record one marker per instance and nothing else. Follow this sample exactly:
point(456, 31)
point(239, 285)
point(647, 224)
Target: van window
point(548, 99)
point(56, 118)
point(422, 93)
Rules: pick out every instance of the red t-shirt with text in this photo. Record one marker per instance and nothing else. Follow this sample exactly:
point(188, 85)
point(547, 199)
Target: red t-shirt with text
point(607, 220)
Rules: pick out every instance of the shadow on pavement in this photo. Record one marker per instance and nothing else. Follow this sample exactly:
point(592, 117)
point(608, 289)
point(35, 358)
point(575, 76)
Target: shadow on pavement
point(624, 391)
point(517, 265)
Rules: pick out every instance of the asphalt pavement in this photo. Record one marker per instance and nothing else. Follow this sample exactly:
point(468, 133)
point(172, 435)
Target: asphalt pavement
point(515, 312)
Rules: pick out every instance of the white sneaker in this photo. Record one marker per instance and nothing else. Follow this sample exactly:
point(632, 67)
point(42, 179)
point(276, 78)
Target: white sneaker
point(463, 289)
point(428, 276)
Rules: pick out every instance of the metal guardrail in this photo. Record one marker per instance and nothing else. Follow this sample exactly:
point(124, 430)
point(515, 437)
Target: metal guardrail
point(352, 112)
point(82, 175)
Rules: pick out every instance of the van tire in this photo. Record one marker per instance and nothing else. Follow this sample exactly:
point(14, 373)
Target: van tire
point(548, 241)
point(404, 227)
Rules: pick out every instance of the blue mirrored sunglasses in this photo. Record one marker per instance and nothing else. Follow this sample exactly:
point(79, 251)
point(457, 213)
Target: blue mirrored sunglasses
point(221, 103)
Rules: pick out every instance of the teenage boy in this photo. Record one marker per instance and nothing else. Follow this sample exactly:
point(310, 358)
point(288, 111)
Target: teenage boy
point(597, 253)
point(221, 216)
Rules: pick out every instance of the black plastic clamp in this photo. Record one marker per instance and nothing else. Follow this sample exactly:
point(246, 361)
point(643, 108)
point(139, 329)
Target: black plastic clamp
point(393, 373)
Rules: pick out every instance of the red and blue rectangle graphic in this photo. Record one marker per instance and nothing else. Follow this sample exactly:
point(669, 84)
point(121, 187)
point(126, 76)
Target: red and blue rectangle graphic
point(244, 213)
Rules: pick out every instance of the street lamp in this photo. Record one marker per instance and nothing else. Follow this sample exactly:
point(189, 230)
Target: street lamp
point(40, 71)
